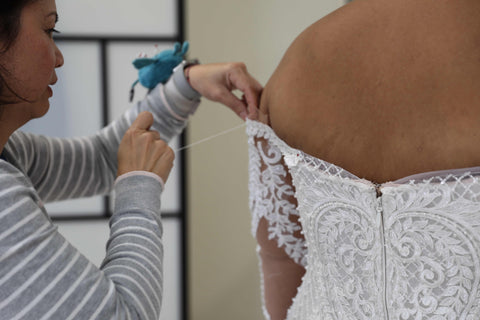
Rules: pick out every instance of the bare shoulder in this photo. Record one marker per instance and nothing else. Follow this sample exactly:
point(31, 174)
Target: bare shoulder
point(377, 81)
point(318, 81)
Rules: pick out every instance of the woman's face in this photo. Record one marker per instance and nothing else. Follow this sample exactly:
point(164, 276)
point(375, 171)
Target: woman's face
point(33, 57)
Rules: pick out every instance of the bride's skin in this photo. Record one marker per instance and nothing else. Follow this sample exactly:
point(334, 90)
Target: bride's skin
point(384, 89)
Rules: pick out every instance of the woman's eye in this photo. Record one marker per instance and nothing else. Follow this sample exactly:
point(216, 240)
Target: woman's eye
point(52, 31)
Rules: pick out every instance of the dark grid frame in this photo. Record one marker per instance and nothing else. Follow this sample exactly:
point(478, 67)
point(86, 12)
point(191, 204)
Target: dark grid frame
point(181, 215)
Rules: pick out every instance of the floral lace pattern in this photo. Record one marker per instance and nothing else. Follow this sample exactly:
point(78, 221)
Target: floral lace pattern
point(270, 195)
point(403, 250)
point(433, 237)
point(342, 228)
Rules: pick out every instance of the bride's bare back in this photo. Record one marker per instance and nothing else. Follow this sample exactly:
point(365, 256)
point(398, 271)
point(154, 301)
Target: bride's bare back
point(383, 88)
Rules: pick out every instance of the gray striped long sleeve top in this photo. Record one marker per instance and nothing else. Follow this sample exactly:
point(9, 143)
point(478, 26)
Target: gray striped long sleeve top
point(42, 276)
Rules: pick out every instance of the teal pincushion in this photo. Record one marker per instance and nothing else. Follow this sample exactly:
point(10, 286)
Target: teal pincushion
point(152, 71)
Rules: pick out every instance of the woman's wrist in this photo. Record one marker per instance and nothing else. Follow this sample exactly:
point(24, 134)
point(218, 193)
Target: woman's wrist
point(181, 78)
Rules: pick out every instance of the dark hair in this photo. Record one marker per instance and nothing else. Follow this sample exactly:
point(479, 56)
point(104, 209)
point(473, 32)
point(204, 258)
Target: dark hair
point(10, 11)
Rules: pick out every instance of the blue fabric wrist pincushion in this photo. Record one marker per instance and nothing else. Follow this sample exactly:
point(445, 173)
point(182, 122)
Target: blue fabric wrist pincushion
point(152, 71)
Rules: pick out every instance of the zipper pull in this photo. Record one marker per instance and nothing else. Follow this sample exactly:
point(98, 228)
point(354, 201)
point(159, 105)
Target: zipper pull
point(378, 189)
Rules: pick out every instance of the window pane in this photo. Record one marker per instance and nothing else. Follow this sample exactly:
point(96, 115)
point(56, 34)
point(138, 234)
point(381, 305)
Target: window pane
point(171, 305)
point(118, 17)
point(88, 207)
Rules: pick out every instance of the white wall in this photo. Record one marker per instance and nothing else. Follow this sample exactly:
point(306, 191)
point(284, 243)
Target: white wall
point(224, 273)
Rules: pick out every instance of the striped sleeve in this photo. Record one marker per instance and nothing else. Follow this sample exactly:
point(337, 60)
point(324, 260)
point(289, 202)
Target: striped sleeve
point(80, 167)
point(42, 276)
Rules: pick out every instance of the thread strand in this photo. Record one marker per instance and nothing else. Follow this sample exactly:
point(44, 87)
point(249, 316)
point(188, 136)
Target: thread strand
point(211, 137)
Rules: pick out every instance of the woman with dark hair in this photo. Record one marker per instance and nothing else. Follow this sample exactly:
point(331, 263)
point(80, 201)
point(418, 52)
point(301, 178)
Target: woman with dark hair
point(42, 276)
point(9, 27)
point(364, 182)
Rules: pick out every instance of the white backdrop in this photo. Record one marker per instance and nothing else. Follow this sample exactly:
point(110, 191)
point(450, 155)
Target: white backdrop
point(119, 17)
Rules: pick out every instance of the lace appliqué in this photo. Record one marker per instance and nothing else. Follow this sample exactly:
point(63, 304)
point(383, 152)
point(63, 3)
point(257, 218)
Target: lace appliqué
point(344, 276)
point(269, 194)
point(410, 252)
point(433, 246)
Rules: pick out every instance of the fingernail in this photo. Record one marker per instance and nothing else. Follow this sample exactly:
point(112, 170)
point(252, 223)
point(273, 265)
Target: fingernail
point(243, 115)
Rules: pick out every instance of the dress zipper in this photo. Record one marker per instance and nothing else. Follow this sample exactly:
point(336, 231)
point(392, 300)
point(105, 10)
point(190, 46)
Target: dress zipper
point(379, 209)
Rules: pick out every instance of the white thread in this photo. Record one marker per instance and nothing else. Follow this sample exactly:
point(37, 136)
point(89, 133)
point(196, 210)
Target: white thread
point(211, 137)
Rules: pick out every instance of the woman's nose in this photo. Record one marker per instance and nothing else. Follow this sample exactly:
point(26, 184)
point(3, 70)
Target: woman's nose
point(59, 57)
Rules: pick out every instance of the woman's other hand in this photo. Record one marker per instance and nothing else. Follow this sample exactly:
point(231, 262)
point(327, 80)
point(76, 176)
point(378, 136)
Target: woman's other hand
point(217, 81)
point(142, 149)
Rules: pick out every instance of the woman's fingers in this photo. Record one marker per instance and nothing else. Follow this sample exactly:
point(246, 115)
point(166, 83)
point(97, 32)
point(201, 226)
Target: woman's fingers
point(164, 163)
point(218, 81)
point(238, 106)
point(143, 122)
point(142, 149)
point(240, 79)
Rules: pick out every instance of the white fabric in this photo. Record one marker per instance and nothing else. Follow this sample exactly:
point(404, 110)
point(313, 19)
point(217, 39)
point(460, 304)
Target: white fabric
point(269, 193)
point(408, 249)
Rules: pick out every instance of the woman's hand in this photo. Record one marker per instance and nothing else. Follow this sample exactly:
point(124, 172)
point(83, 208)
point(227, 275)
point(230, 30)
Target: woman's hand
point(217, 81)
point(142, 149)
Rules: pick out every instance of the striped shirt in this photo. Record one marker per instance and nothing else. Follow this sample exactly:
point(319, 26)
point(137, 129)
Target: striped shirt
point(42, 276)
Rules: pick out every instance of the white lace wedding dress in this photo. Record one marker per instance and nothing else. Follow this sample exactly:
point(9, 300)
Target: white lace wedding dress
point(408, 249)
